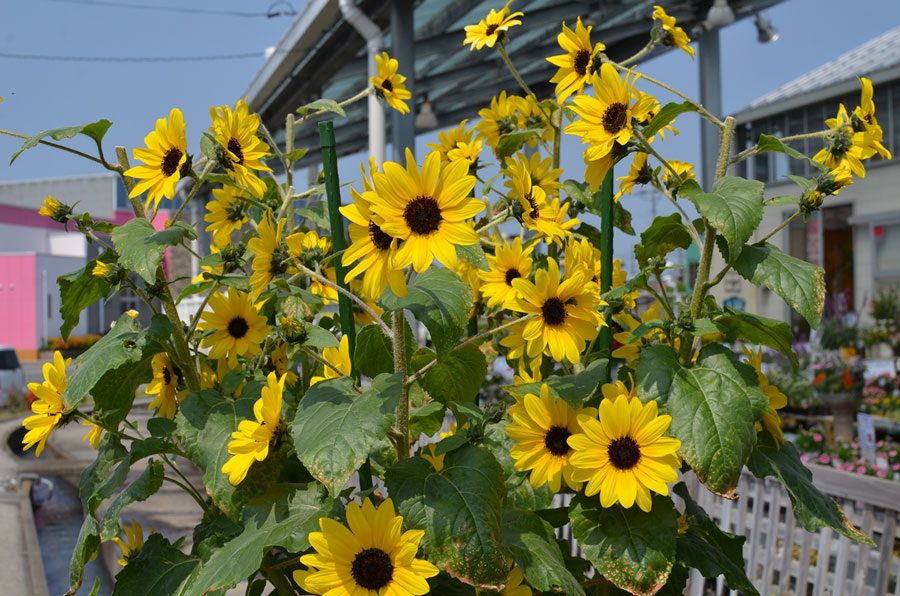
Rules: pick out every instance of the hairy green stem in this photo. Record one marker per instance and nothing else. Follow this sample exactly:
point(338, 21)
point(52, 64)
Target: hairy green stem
point(399, 342)
point(206, 170)
point(276, 575)
point(359, 302)
point(523, 84)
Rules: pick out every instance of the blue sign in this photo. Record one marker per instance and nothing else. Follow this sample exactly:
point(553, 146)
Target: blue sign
point(735, 303)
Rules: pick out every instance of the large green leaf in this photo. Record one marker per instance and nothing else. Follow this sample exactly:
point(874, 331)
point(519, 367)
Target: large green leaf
point(759, 330)
point(440, 300)
point(474, 254)
point(460, 510)
point(713, 405)
point(105, 474)
point(140, 490)
point(666, 115)
point(734, 208)
point(530, 541)
point(114, 393)
point(159, 569)
point(575, 389)
point(284, 518)
point(457, 376)
point(141, 248)
point(80, 289)
point(123, 344)
point(336, 428)
point(519, 492)
point(811, 508)
point(632, 549)
point(664, 235)
point(710, 550)
point(86, 546)
point(375, 350)
point(205, 421)
point(800, 284)
point(94, 130)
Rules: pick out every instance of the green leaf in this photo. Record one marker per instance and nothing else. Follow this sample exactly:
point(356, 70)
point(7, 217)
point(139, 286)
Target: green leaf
point(80, 289)
point(713, 405)
point(86, 546)
point(296, 154)
point(512, 142)
point(632, 549)
point(643, 329)
point(575, 389)
point(159, 569)
point(205, 421)
point(317, 211)
point(456, 377)
point(375, 350)
point(141, 248)
point(405, 482)
point(284, 519)
point(759, 330)
point(95, 130)
point(622, 218)
point(451, 443)
point(114, 393)
point(666, 115)
point(710, 550)
point(769, 143)
point(146, 484)
point(734, 208)
point(782, 200)
point(440, 300)
point(664, 235)
point(105, 474)
point(123, 344)
point(335, 428)
point(519, 492)
point(329, 105)
point(811, 508)
point(800, 284)
point(161, 427)
point(474, 254)
point(530, 541)
point(319, 338)
point(427, 419)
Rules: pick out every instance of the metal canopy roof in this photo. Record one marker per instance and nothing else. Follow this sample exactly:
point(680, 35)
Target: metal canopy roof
point(321, 55)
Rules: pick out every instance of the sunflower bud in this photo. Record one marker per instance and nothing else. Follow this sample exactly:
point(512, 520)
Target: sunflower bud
point(293, 330)
point(110, 272)
point(58, 212)
point(231, 257)
point(833, 182)
point(811, 201)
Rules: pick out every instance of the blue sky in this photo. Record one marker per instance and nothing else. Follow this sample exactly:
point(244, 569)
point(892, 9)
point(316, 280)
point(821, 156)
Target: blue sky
point(47, 94)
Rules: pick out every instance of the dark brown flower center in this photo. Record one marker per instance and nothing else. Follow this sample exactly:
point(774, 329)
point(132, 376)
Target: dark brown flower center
point(170, 161)
point(554, 311)
point(512, 274)
point(582, 59)
point(372, 569)
point(423, 216)
point(556, 440)
point(491, 29)
point(167, 376)
point(614, 117)
point(235, 147)
point(624, 453)
point(534, 213)
point(381, 240)
point(237, 327)
point(387, 85)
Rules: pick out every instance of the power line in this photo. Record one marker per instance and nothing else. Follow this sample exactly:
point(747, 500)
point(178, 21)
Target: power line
point(186, 10)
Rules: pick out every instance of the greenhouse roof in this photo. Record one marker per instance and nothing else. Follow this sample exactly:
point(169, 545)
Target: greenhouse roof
point(322, 55)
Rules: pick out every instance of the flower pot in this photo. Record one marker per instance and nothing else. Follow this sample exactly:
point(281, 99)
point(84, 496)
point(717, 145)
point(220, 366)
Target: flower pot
point(842, 406)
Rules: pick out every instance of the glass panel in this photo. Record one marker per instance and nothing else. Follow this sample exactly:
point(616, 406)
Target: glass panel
point(887, 248)
point(795, 126)
point(894, 138)
point(761, 169)
point(815, 121)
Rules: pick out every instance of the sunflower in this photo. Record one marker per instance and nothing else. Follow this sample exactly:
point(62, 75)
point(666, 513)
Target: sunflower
point(426, 209)
point(533, 117)
point(164, 384)
point(532, 200)
point(514, 585)
point(467, 152)
point(311, 249)
point(507, 263)
point(777, 400)
point(164, 158)
point(581, 254)
point(226, 214)
point(48, 408)
point(566, 312)
point(448, 139)
point(239, 328)
point(94, 435)
point(541, 426)
point(640, 172)
point(491, 28)
point(622, 453)
point(606, 118)
point(135, 541)
point(595, 169)
point(501, 119)
point(684, 170)
point(613, 390)
point(389, 84)
point(427, 452)
point(530, 373)
point(630, 351)
point(339, 360)
point(864, 118)
point(844, 147)
point(251, 440)
point(469, 273)
point(558, 215)
point(575, 65)
point(359, 315)
point(271, 256)
point(242, 150)
point(543, 174)
point(671, 35)
point(373, 556)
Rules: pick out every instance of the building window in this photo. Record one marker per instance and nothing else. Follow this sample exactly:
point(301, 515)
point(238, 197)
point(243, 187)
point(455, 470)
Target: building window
point(887, 255)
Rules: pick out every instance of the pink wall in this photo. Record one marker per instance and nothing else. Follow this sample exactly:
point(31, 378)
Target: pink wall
point(18, 303)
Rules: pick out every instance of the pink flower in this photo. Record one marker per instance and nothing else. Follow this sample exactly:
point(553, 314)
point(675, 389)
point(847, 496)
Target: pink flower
point(803, 458)
point(881, 474)
point(861, 470)
point(817, 437)
point(856, 444)
point(892, 453)
point(895, 467)
point(825, 459)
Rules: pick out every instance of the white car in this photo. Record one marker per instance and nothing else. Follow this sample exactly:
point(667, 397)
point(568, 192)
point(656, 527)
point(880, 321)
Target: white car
point(12, 377)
